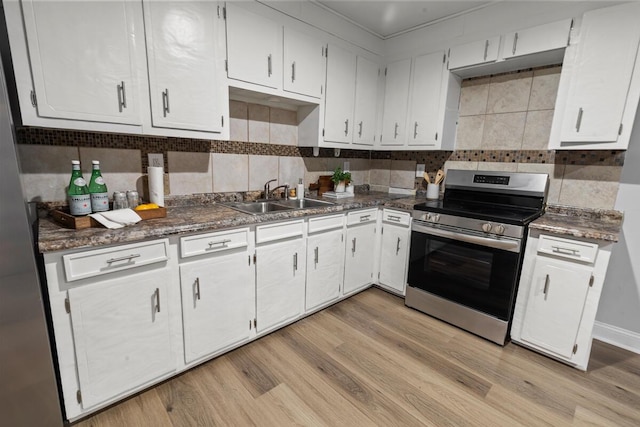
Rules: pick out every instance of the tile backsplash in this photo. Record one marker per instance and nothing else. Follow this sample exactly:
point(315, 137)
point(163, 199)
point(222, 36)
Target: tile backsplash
point(504, 124)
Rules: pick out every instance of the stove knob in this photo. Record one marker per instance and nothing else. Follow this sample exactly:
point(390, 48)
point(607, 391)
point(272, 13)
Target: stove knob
point(425, 217)
point(499, 229)
point(486, 227)
point(435, 217)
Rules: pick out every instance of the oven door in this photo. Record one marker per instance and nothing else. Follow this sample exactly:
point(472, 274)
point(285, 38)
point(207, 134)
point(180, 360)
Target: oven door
point(474, 270)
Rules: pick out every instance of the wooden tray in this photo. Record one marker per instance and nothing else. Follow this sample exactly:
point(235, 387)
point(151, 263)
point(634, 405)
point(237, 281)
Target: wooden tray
point(65, 219)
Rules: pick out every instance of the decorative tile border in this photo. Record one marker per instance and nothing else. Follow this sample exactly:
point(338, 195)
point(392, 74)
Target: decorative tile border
point(432, 159)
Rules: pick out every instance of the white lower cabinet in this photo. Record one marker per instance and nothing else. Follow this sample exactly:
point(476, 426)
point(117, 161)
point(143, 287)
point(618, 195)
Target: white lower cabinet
point(280, 274)
point(218, 299)
point(325, 260)
point(558, 296)
point(360, 250)
point(394, 250)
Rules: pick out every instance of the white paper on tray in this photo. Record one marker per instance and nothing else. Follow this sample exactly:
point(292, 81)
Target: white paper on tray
point(117, 219)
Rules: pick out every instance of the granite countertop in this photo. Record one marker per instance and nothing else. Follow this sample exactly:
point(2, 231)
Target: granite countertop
point(599, 224)
point(197, 218)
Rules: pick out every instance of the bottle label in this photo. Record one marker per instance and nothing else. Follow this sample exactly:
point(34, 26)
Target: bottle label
point(99, 202)
point(99, 180)
point(80, 182)
point(80, 204)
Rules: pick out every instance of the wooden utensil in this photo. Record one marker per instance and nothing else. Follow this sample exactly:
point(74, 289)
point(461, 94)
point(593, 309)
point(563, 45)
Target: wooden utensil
point(426, 177)
point(439, 176)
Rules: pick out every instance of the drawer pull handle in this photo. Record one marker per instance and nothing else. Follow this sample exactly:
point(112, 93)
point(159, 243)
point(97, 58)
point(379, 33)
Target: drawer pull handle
point(197, 285)
point(546, 285)
point(353, 246)
point(579, 119)
point(486, 49)
point(221, 242)
point(123, 258)
point(515, 43)
point(393, 218)
point(157, 295)
point(365, 218)
point(565, 251)
point(295, 262)
point(316, 255)
point(398, 246)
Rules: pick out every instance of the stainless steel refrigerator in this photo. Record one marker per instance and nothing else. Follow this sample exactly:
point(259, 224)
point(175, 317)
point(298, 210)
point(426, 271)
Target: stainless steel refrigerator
point(28, 387)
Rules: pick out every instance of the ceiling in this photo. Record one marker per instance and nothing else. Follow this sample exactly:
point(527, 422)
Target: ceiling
point(386, 19)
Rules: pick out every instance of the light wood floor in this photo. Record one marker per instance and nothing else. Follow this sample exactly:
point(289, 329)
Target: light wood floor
point(369, 360)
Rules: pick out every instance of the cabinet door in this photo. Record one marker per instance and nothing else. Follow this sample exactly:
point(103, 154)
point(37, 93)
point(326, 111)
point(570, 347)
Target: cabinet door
point(537, 39)
point(474, 53)
point(360, 246)
point(394, 250)
point(366, 102)
point(425, 100)
point(303, 63)
point(121, 334)
point(254, 48)
point(185, 51)
point(601, 74)
point(396, 95)
point(83, 59)
point(218, 303)
point(339, 95)
point(325, 257)
point(555, 305)
point(280, 276)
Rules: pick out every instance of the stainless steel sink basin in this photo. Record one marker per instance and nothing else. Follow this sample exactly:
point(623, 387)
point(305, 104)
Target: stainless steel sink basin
point(303, 203)
point(277, 205)
point(255, 208)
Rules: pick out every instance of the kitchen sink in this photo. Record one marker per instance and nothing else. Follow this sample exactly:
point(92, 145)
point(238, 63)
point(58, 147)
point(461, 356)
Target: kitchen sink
point(303, 203)
point(276, 205)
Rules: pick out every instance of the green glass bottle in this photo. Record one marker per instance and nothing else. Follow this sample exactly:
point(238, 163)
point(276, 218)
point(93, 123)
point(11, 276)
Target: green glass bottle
point(98, 189)
point(78, 192)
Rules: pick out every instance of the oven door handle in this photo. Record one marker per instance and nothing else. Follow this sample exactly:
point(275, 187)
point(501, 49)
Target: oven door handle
point(508, 245)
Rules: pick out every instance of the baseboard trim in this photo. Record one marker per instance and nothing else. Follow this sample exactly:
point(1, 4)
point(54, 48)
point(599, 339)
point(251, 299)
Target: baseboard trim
point(619, 337)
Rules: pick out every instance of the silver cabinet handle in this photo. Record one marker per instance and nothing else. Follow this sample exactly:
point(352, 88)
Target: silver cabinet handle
point(393, 218)
point(122, 96)
point(415, 130)
point(220, 242)
point(395, 131)
point(197, 288)
point(565, 251)
point(360, 129)
point(315, 260)
point(546, 285)
point(157, 295)
point(365, 218)
point(486, 49)
point(269, 70)
point(515, 43)
point(293, 72)
point(123, 258)
point(353, 246)
point(165, 102)
point(346, 127)
point(398, 246)
point(295, 262)
point(579, 120)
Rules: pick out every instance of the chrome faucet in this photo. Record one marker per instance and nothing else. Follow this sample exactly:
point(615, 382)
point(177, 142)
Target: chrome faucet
point(266, 188)
point(286, 190)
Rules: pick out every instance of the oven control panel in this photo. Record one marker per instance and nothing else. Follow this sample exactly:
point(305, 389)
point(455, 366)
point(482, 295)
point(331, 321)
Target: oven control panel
point(433, 219)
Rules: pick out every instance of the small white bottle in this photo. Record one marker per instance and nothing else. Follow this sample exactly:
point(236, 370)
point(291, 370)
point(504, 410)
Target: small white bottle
point(300, 190)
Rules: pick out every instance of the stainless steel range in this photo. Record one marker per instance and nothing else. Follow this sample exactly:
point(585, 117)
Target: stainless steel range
point(466, 250)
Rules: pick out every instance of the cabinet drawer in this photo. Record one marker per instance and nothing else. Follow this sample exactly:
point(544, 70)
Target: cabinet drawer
point(396, 217)
point(324, 223)
point(213, 242)
point(565, 248)
point(283, 230)
point(104, 261)
point(361, 217)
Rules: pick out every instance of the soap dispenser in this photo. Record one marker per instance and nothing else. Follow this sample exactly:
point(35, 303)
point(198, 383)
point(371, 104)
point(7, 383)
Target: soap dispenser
point(300, 189)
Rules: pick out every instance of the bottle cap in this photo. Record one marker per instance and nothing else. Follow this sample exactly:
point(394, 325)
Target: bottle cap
point(75, 162)
point(95, 162)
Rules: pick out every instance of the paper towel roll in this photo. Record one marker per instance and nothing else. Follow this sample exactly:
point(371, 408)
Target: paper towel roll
point(156, 185)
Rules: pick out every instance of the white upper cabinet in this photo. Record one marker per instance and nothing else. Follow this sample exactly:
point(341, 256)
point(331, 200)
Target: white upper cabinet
point(185, 51)
point(340, 94)
point(366, 102)
point(254, 47)
point(83, 59)
point(474, 53)
point(396, 95)
point(303, 63)
point(601, 80)
point(537, 39)
point(424, 126)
